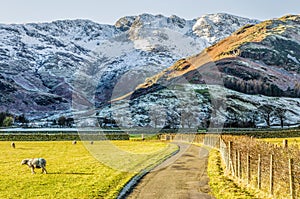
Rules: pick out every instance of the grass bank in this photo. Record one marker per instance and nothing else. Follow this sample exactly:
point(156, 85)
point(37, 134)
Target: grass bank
point(279, 141)
point(74, 171)
point(223, 187)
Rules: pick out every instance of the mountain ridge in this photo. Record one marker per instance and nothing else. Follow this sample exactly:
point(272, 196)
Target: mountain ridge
point(226, 49)
point(261, 60)
point(55, 68)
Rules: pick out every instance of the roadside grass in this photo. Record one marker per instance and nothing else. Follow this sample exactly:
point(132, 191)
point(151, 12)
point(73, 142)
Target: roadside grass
point(222, 187)
point(278, 141)
point(73, 171)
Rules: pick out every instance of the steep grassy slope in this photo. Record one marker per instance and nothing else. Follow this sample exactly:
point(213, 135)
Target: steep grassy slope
point(257, 59)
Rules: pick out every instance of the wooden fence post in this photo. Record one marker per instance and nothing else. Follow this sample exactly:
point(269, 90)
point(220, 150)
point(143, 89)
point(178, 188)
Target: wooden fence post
point(229, 158)
point(271, 175)
point(208, 140)
point(248, 169)
point(259, 172)
point(236, 164)
point(291, 178)
point(239, 168)
point(285, 144)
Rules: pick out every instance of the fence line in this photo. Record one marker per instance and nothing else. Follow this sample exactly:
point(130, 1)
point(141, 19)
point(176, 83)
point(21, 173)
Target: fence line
point(272, 169)
point(266, 167)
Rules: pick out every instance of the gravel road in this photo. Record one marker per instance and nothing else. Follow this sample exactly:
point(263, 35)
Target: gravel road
point(183, 176)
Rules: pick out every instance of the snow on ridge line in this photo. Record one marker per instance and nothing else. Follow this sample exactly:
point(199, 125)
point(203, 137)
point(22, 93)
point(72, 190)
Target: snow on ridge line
point(61, 52)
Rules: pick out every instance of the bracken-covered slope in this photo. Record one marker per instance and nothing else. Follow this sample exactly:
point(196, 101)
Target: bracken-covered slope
point(260, 59)
point(255, 74)
point(64, 66)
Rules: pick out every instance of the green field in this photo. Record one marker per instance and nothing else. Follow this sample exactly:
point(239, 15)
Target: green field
point(278, 141)
point(73, 172)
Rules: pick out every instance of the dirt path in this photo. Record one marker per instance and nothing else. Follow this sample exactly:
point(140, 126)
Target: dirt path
point(185, 177)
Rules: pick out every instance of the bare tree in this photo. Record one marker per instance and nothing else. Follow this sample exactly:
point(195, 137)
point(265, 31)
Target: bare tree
point(252, 118)
point(62, 121)
point(156, 116)
point(280, 113)
point(267, 110)
point(186, 118)
point(156, 119)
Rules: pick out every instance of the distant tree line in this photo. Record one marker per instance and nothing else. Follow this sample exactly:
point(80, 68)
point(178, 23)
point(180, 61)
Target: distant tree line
point(107, 122)
point(248, 119)
point(7, 119)
point(63, 121)
point(260, 86)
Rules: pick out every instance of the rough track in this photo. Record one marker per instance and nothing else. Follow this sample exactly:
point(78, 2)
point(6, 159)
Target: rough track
point(186, 177)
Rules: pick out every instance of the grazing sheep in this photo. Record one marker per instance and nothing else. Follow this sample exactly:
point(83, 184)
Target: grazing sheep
point(13, 145)
point(74, 142)
point(35, 163)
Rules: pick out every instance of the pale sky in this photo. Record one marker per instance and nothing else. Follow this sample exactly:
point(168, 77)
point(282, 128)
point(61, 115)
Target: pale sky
point(108, 11)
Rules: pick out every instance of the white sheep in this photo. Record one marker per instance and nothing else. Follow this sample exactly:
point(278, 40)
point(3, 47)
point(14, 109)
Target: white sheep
point(35, 163)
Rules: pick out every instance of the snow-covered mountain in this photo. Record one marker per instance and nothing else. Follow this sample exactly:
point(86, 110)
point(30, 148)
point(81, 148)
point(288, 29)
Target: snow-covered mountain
point(248, 79)
point(74, 65)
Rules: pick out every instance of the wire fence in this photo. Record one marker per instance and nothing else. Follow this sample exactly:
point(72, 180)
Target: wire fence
point(273, 169)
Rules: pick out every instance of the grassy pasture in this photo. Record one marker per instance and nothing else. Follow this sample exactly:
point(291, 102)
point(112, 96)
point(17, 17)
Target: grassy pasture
point(73, 170)
point(278, 141)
